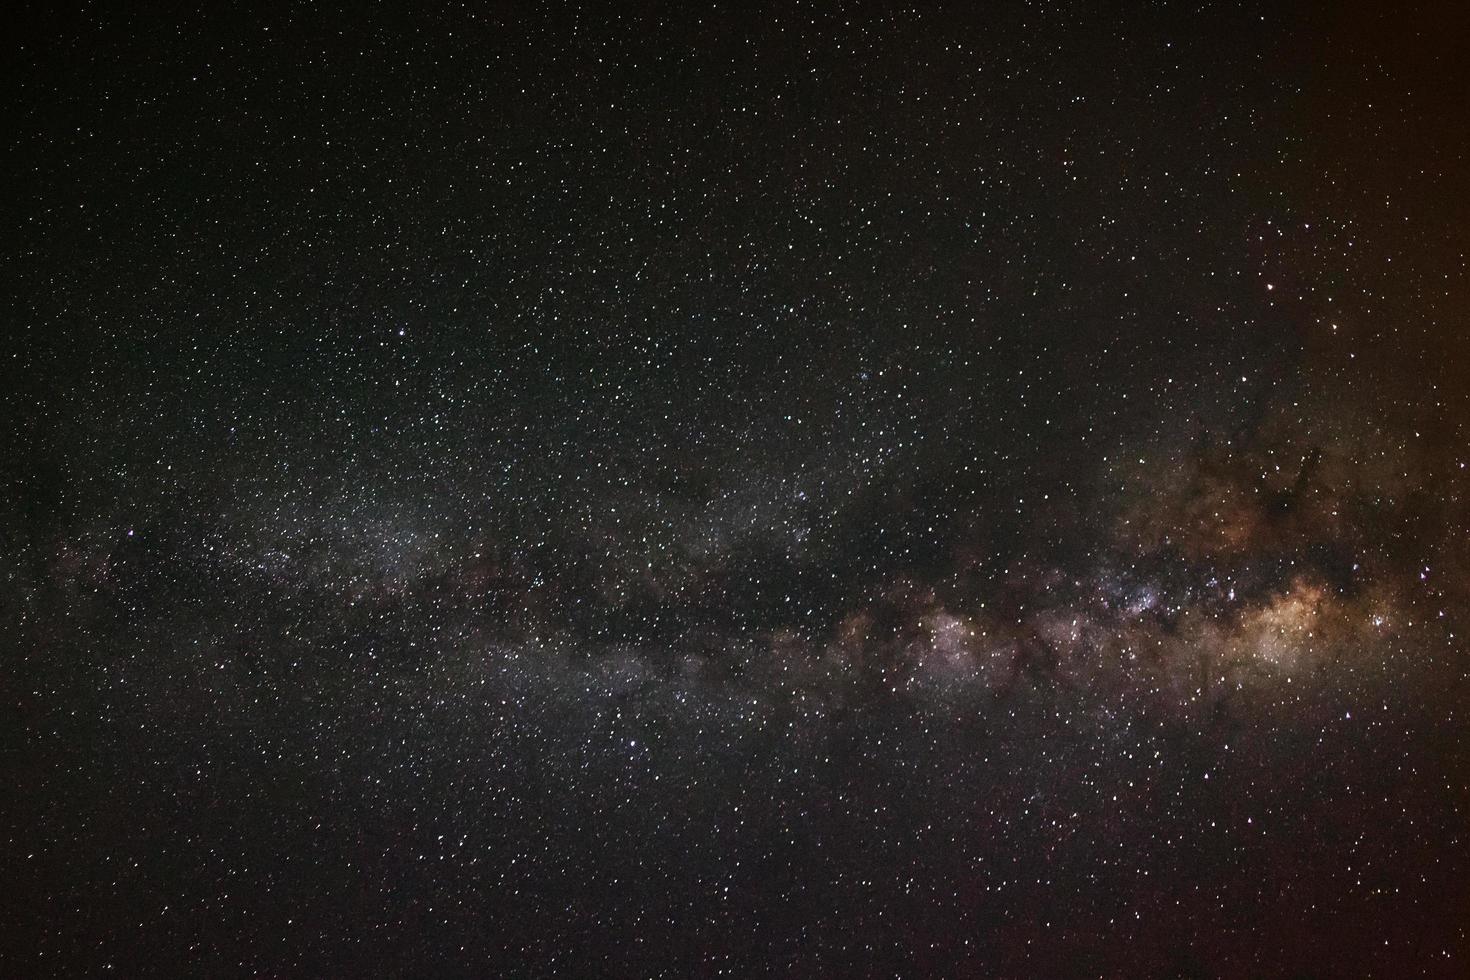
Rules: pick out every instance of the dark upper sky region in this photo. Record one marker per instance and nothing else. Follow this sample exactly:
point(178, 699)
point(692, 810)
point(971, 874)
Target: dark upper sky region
point(652, 490)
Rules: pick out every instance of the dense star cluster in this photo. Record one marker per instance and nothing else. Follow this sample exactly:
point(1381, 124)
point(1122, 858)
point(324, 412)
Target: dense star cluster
point(841, 490)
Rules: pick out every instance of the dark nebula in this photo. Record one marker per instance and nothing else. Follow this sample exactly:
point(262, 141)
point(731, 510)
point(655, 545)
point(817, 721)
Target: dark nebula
point(662, 490)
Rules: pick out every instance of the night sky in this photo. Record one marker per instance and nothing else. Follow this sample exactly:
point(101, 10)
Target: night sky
point(833, 490)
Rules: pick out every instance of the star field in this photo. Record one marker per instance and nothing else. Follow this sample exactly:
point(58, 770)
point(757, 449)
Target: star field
point(837, 490)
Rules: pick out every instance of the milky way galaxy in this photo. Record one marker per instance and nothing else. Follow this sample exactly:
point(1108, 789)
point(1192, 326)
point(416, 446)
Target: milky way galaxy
point(831, 491)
